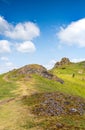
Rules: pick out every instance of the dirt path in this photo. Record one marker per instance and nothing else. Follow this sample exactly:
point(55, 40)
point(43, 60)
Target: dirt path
point(13, 114)
point(2, 102)
point(6, 78)
point(25, 89)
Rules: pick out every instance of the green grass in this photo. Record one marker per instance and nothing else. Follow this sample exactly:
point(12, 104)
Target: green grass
point(73, 86)
point(6, 88)
point(67, 122)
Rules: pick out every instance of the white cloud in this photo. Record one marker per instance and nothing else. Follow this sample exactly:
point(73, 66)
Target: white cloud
point(73, 34)
point(51, 64)
point(4, 26)
point(9, 65)
point(26, 46)
point(22, 34)
point(78, 60)
point(4, 58)
point(6, 67)
point(4, 46)
point(21, 31)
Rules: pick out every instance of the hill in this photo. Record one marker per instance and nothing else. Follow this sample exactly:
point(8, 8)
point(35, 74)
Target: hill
point(67, 67)
point(28, 70)
point(32, 98)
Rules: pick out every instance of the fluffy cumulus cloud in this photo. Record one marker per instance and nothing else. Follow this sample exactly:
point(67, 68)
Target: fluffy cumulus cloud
point(19, 36)
point(4, 26)
point(26, 46)
point(21, 31)
point(4, 46)
point(73, 34)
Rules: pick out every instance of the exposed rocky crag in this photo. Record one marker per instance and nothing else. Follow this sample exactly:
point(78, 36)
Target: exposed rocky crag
point(64, 61)
point(37, 69)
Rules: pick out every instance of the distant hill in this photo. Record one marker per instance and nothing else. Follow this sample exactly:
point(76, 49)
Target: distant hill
point(68, 67)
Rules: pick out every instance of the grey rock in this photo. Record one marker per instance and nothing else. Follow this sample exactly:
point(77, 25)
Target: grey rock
point(73, 110)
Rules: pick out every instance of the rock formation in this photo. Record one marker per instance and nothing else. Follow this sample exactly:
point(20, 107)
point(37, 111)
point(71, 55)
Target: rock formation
point(64, 61)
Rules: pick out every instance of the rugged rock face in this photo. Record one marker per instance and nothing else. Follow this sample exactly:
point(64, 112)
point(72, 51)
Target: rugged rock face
point(64, 61)
point(38, 69)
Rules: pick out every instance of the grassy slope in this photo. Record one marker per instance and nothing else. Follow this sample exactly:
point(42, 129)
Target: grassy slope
point(16, 111)
point(6, 88)
point(74, 85)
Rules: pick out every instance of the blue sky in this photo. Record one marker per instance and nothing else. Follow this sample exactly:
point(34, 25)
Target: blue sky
point(41, 31)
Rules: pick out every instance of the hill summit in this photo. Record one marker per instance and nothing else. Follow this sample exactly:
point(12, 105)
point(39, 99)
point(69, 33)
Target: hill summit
point(32, 69)
point(28, 70)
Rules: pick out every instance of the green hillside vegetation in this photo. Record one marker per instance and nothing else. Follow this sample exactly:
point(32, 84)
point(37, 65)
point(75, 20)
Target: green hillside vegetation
point(73, 76)
point(6, 88)
point(30, 100)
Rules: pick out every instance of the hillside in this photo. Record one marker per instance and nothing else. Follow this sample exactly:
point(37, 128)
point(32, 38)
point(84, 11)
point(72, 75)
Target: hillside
point(32, 98)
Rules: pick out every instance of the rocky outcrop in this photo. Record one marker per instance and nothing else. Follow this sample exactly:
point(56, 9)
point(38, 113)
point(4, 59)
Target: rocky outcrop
point(32, 69)
point(64, 61)
point(37, 69)
point(56, 104)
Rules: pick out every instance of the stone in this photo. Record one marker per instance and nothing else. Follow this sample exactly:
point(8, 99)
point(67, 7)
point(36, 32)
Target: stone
point(59, 125)
point(73, 110)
